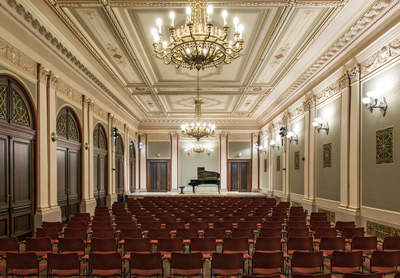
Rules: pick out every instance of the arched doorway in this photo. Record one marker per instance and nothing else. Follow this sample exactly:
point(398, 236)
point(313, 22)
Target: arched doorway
point(17, 159)
point(100, 165)
point(132, 165)
point(68, 163)
point(119, 168)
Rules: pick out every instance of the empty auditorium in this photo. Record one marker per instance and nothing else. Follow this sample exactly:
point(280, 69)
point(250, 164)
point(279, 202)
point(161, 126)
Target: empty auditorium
point(200, 138)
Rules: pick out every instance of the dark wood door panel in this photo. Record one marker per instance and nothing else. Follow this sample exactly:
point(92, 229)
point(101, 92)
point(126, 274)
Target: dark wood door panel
point(158, 175)
point(163, 182)
point(61, 172)
point(4, 223)
point(103, 176)
point(239, 176)
point(22, 223)
point(21, 158)
point(243, 176)
point(234, 177)
point(96, 173)
point(3, 172)
point(74, 175)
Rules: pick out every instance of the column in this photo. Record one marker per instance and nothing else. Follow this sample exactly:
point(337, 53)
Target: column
point(223, 139)
point(174, 161)
point(90, 142)
point(270, 161)
point(354, 145)
point(111, 196)
point(126, 159)
point(143, 162)
point(286, 156)
point(254, 163)
point(344, 141)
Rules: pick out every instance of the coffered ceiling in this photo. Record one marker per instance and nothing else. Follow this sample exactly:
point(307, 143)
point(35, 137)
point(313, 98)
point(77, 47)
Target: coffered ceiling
point(283, 38)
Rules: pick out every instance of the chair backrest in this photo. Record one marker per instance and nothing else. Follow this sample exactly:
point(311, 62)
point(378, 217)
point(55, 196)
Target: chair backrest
point(320, 232)
point(391, 243)
point(268, 259)
point(349, 233)
point(77, 225)
point(385, 259)
point(296, 224)
point(70, 233)
point(145, 218)
point(187, 233)
point(243, 232)
point(22, 261)
point(298, 232)
point(71, 244)
point(147, 225)
point(270, 232)
point(103, 261)
point(125, 224)
point(318, 218)
point(155, 234)
point(170, 244)
point(297, 218)
point(199, 225)
point(104, 218)
point(227, 261)
point(146, 261)
point(364, 243)
point(320, 224)
point(137, 245)
point(103, 232)
point(268, 244)
point(56, 225)
point(332, 243)
point(307, 259)
point(272, 224)
point(323, 275)
point(248, 224)
point(38, 244)
point(300, 243)
point(63, 261)
point(193, 261)
point(103, 244)
point(239, 244)
point(226, 224)
point(367, 275)
point(203, 244)
point(340, 225)
point(130, 232)
point(101, 224)
point(218, 233)
point(9, 244)
point(174, 225)
point(347, 259)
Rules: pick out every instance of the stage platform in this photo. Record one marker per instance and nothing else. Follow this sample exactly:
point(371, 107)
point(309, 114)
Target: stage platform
point(197, 194)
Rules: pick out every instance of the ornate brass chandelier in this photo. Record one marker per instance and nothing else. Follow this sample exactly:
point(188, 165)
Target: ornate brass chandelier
point(198, 44)
point(198, 128)
point(199, 148)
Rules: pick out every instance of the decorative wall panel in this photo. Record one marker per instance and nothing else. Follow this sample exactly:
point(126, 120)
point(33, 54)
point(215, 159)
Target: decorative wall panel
point(278, 200)
point(331, 215)
point(296, 204)
point(384, 146)
point(265, 165)
point(327, 155)
point(278, 163)
point(381, 231)
point(297, 160)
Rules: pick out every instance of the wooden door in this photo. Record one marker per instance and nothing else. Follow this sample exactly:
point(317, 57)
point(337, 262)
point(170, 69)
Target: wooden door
point(100, 187)
point(68, 164)
point(17, 158)
point(132, 167)
point(158, 175)
point(239, 176)
point(119, 169)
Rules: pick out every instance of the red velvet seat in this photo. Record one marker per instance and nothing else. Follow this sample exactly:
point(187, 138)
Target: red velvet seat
point(345, 262)
point(224, 264)
point(218, 233)
point(64, 265)
point(39, 246)
point(340, 225)
point(51, 233)
point(236, 244)
point(74, 233)
point(56, 224)
point(267, 263)
point(129, 232)
point(146, 265)
point(23, 264)
point(244, 232)
point(187, 234)
point(268, 244)
point(186, 264)
point(320, 232)
point(136, 245)
point(299, 244)
point(8, 244)
point(168, 245)
point(105, 265)
point(323, 275)
point(366, 244)
point(306, 262)
point(391, 243)
point(72, 245)
point(155, 234)
point(103, 232)
point(205, 246)
point(385, 262)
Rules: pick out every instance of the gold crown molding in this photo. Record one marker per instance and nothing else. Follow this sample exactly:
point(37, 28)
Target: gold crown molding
point(382, 57)
point(13, 55)
point(69, 55)
point(342, 43)
point(66, 90)
point(309, 103)
point(53, 80)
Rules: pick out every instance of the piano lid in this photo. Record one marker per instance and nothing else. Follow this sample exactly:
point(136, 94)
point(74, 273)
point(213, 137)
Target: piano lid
point(202, 174)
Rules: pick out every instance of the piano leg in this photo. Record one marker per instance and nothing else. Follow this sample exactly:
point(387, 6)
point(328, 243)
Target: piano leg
point(194, 189)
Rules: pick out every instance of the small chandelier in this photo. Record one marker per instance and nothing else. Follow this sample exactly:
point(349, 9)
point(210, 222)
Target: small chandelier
point(198, 43)
point(198, 128)
point(199, 148)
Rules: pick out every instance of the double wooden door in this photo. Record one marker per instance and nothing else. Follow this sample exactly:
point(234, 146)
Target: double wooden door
point(100, 176)
point(239, 176)
point(16, 185)
point(158, 175)
point(68, 178)
point(119, 177)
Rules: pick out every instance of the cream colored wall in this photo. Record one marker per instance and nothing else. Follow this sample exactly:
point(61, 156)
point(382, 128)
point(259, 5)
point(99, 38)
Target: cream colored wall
point(381, 183)
point(277, 175)
point(162, 148)
point(234, 148)
point(297, 176)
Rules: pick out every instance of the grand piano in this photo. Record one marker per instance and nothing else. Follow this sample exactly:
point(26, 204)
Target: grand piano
point(205, 177)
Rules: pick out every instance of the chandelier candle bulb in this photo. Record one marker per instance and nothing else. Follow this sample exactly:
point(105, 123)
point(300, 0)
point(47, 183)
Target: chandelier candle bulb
point(210, 11)
point(172, 17)
point(189, 13)
point(236, 22)
point(159, 23)
point(240, 28)
point(225, 15)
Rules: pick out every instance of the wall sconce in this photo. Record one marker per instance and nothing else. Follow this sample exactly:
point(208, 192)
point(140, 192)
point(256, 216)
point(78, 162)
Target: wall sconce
point(54, 136)
point(209, 151)
point(239, 154)
point(188, 151)
point(140, 145)
point(260, 147)
point(371, 102)
point(158, 154)
point(292, 137)
point(319, 124)
point(87, 146)
point(274, 144)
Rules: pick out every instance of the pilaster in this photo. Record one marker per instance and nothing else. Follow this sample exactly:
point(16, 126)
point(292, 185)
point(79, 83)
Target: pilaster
point(254, 163)
point(223, 157)
point(174, 161)
point(143, 162)
point(286, 154)
point(270, 161)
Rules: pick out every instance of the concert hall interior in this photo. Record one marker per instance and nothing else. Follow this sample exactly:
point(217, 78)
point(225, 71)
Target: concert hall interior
point(298, 103)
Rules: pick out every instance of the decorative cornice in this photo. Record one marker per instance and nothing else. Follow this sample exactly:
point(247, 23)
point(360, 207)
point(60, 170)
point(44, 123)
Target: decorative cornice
point(286, 117)
point(158, 137)
point(240, 136)
point(44, 74)
point(68, 54)
point(356, 30)
point(309, 103)
point(380, 58)
point(11, 54)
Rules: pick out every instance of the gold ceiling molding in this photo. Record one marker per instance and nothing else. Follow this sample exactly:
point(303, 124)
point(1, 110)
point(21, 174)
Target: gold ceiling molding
point(12, 54)
point(21, 10)
point(356, 30)
point(383, 56)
